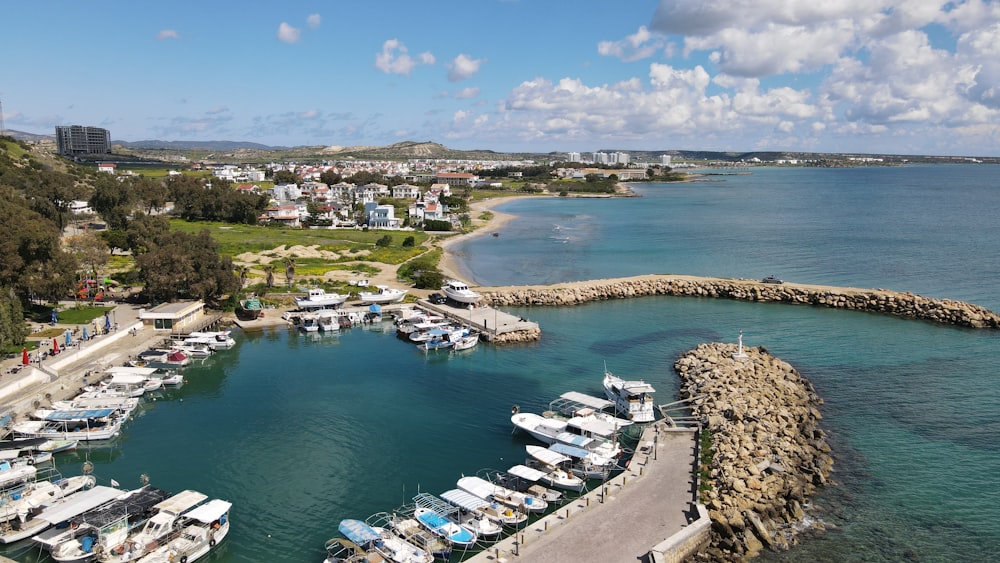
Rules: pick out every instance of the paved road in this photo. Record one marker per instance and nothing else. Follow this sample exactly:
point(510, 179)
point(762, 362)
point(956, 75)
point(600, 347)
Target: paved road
point(654, 503)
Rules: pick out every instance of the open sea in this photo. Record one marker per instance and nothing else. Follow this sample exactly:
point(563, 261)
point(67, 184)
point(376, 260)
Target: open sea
point(301, 431)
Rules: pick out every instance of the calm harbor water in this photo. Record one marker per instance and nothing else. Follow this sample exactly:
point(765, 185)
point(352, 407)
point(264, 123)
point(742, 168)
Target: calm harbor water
point(301, 431)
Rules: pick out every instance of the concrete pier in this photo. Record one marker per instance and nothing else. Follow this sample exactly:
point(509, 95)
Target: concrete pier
point(631, 517)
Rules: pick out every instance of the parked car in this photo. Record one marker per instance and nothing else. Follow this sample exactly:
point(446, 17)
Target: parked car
point(437, 298)
point(771, 279)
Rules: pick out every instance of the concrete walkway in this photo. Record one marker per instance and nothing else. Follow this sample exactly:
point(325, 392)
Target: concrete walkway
point(649, 502)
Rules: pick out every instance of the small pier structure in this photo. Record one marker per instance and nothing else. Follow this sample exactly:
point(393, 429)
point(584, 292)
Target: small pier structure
point(489, 321)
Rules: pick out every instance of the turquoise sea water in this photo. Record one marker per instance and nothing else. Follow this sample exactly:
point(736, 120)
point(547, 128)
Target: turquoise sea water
point(301, 432)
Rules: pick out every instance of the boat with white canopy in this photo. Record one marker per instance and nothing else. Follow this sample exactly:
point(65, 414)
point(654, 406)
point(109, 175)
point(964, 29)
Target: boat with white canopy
point(486, 508)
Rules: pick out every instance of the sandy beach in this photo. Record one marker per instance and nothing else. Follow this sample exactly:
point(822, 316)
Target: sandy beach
point(449, 263)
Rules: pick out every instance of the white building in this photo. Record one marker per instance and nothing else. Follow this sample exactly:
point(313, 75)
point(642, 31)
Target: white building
point(381, 216)
point(405, 191)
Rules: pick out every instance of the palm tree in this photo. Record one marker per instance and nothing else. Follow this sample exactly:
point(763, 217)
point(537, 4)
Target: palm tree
point(269, 270)
point(243, 272)
point(290, 270)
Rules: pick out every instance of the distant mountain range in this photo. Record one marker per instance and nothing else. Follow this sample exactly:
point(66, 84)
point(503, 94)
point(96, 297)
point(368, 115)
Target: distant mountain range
point(242, 151)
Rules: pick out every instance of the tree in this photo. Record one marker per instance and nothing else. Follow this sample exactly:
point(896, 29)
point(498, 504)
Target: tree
point(243, 272)
point(330, 177)
point(92, 252)
point(33, 261)
point(113, 200)
point(12, 328)
point(181, 265)
point(289, 270)
point(409, 242)
point(384, 242)
point(285, 177)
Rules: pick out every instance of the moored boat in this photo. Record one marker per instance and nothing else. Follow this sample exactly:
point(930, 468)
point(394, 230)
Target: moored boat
point(250, 308)
point(485, 508)
point(381, 541)
point(490, 491)
point(201, 530)
point(633, 399)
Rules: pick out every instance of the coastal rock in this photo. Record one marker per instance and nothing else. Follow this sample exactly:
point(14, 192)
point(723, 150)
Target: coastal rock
point(906, 305)
point(768, 453)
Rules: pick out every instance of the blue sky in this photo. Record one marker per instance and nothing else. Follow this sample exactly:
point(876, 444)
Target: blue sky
point(866, 76)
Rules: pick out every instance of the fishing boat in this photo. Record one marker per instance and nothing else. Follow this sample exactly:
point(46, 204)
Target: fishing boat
point(555, 467)
point(328, 321)
point(485, 508)
point(467, 513)
point(459, 291)
point(540, 428)
point(84, 425)
point(166, 515)
point(586, 464)
point(318, 298)
point(633, 399)
point(19, 501)
point(201, 530)
point(216, 340)
point(490, 491)
point(309, 323)
point(382, 295)
point(441, 525)
point(383, 542)
point(528, 480)
point(403, 524)
point(466, 342)
point(102, 529)
point(59, 512)
point(250, 308)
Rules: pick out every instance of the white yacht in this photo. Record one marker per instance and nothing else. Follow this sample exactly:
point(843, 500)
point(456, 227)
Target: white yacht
point(633, 399)
point(201, 529)
point(460, 292)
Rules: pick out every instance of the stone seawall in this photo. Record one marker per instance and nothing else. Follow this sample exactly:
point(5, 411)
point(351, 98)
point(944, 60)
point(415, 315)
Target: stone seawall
point(768, 453)
point(906, 305)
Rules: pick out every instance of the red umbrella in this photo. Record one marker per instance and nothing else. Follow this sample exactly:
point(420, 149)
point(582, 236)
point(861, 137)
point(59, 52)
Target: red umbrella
point(24, 356)
point(55, 346)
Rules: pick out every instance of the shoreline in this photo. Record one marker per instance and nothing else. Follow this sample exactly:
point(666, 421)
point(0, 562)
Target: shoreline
point(451, 264)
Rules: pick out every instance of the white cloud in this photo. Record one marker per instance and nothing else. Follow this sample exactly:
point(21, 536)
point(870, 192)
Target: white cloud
point(640, 45)
point(463, 67)
point(314, 20)
point(167, 34)
point(395, 59)
point(466, 93)
point(288, 34)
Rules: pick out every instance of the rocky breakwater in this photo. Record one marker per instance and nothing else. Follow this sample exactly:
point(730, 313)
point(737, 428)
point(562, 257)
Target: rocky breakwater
point(768, 454)
point(907, 305)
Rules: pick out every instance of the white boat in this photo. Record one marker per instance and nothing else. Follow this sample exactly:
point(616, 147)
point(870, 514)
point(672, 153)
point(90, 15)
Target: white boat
point(60, 511)
point(201, 529)
point(309, 323)
point(561, 480)
point(328, 321)
point(526, 480)
point(411, 530)
point(441, 525)
point(487, 508)
point(103, 531)
point(556, 468)
point(318, 298)
point(383, 294)
point(217, 340)
point(166, 515)
point(540, 428)
point(195, 348)
point(383, 542)
point(84, 425)
point(633, 399)
point(586, 464)
point(466, 342)
point(486, 490)
point(573, 404)
point(459, 291)
point(470, 515)
point(18, 503)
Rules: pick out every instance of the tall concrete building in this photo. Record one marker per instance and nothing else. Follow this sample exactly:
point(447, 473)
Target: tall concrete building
point(78, 139)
